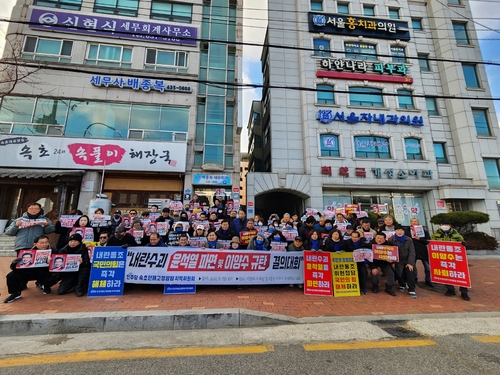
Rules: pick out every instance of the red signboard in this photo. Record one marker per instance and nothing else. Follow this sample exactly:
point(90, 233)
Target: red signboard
point(384, 252)
point(317, 274)
point(246, 235)
point(448, 261)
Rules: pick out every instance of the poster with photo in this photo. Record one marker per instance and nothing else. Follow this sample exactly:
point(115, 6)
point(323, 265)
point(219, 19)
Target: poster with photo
point(65, 263)
point(33, 258)
point(67, 221)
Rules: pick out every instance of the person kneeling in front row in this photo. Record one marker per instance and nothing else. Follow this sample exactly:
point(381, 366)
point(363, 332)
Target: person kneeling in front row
point(79, 279)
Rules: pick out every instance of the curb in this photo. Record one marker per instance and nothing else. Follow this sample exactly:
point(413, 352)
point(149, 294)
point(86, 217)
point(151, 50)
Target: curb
point(73, 323)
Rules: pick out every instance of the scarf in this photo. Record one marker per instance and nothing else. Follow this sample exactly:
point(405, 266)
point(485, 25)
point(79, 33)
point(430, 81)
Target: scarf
point(400, 239)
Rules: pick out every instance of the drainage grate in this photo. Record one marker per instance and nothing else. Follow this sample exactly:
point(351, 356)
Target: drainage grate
point(396, 328)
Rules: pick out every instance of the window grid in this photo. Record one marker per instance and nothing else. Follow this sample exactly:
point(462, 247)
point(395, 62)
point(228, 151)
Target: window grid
point(366, 97)
point(432, 106)
point(325, 94)
point(119, 7)
point(108, 55)
point(416, 24)
point(47, 49)
point(492, 173)
point(405, 99)
point(460, 30)
point(329, 145)
point(369, 10)
point(371, 147)
point(481, 122)
point(62, 4)
point(167, 61)
point(321, 47)
point(170, 11)
point(398, 54)
point(470, 75)
point(343, 8)
point(423, 62)
point(317, 5)
point(413, 149)
point(362, 51)
point(394, 13)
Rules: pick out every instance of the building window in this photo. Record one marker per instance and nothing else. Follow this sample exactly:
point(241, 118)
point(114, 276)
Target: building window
point(372, 147)
point(492, 173)
point(431, 104)
point(219, 20)
point(416, 24)
point(454, 2)
point(325, 94)
point(481, 122)
point(362, 51)
point(405, 100)
point(47, 49)
point(329, 145)
point(63, 4)
point(169, 11)
point(398, 54)
point(167, 61)
point(317, 5)
point(423, 62)
point(470, 74)
point(394, 13)
point(369, 10)
point(440, 153)
point(321, 47)
point(343, 8)
point(366, 97)
point(118, 7)
point(106, 55)
point(460, 30)
point(413, 149)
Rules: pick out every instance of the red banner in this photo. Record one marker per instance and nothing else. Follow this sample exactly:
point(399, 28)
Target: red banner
point(245, 236)
point(448, 262)
point(317, 274)
point(384, 252)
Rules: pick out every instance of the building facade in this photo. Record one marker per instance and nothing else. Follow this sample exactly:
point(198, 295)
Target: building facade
point(381, 104)
point(135, 99)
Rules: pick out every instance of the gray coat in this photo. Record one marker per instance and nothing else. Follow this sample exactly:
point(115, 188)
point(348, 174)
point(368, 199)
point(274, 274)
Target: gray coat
point(406, 252)
point(25, 237)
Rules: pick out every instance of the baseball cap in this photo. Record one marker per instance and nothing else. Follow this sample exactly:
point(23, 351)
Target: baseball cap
point(380, 220)
point(118, 212)
point(200, 227)
point(120, 229)
point(76, 237)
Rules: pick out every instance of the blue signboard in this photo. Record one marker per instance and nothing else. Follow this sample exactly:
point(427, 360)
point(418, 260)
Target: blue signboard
point(179, 289)
point(212, 179)
point(107, 275)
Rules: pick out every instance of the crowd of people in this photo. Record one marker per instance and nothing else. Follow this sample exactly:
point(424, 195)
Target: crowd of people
point(218, 227)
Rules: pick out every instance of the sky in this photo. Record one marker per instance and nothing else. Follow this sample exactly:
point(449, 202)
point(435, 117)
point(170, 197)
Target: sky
point(486, 17)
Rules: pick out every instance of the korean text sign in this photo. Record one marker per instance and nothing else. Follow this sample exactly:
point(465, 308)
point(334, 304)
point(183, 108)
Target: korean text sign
point(108, 272)
point(448, 261)
point(317, 274)
point(345, 275)
point(385, 252)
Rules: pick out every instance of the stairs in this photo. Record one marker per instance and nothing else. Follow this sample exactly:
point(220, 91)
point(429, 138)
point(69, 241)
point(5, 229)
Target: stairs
point(7, 246)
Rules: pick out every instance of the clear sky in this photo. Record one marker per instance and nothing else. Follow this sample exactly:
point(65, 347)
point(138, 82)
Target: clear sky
point(486, 16)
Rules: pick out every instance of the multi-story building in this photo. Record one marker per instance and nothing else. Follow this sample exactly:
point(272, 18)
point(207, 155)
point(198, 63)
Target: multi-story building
point(137, 99)
point(380, 103)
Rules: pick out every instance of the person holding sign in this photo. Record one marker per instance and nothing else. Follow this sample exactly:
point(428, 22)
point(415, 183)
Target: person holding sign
point(385, 266)
point(258, 242)
point(407, 259)
point(334, 243)
point(353, 244)
point(79, 279)
point(420, 238)
point(447, 233)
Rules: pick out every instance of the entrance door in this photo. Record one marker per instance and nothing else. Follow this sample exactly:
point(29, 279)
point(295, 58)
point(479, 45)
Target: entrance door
point(44, 195)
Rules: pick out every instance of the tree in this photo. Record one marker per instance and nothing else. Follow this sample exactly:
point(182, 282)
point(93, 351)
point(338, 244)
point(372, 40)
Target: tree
point(462, 221)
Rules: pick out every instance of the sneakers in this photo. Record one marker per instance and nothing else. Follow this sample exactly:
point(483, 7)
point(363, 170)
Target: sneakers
point(429, 283)
point(450, 293)
point(402, 289)
point(413, 295)
point(12, 297)
point(390, 291)
point(38, 285)
point(46, 290)
point(465, 296)
point(363, 291)
point(375, 288)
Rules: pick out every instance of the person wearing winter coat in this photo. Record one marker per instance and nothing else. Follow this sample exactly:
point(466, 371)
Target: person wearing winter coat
point(353, 244)
point(407, 258)
point(79, 279)
point(334, 243)
point(258, 242)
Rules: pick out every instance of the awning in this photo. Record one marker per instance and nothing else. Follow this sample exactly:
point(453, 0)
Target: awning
point(39, 173)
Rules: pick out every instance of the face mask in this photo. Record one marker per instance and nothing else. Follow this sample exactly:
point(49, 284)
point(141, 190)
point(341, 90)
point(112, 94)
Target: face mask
point(328, 227)
point(260, 223)
point(271, 230)
point(445, 228)
point(117, 217)
point(178, 229)
point(288, 227)
point(259, 242)
point(277, 238)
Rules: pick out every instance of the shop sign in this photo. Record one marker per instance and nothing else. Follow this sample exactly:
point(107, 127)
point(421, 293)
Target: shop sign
point(144, 84)
point(211, 179)
point(390, 172)
point(327, 116)
point(358, 26)
point(71, 153)
point(112, 27)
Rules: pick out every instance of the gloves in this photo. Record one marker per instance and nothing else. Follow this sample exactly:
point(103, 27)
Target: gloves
point(14, 263)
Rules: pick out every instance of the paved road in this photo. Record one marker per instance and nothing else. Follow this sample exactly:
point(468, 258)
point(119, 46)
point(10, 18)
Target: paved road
point(423, 346)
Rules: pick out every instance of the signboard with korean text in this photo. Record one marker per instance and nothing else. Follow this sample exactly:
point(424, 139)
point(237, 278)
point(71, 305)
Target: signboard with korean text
point(326, 116)
point(246, 235)
point(142, 84)
point(448, 261)
point(108, 272)
point(26, 223)
point(386, 252)
point(278, 246)
point(67, 221)
point(360, 255)
point(74, 153)
point(179, 289)
point(344, 275)
point(317, 274)
point(188, 266)
point(112, 27)
point(33, 258)
point(97, 221)
point(65, 263)
point(211, 179)
point(358, 26)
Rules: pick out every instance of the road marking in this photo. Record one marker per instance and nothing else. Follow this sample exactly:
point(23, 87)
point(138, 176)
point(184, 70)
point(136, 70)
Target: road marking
point(368, 345)
point(114, 355)
point(487, 339)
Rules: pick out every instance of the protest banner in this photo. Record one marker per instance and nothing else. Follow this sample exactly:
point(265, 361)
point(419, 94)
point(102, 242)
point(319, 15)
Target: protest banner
point(226, 244)
point(67, 221)
point(311, 211)
point(98, 221)
point(345, 275)
point(204, 223)
point(317, 274)
point(183, 265)
point(145, 222)
point(33, 258)
point(278, 246)
point(179, 289)
point(26, 223)
point(352, 208)
point(198, 241)
point(389, 234)
point(448, 261)
point(151, 228)
point(108, 272)
point(290, 234)
point(386, 252)
point(87, 233)
point(154, 215)
point(360, 255)
point(245, 236)
point(261, 228)
point(341, 227)
point(176, 206)
point(417, 231)
point(163, 228)
point(368, 236)
point(65, 263)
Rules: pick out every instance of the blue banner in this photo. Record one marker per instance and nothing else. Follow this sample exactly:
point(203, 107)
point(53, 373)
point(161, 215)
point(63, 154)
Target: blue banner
point(108, 272)
point(179, 289)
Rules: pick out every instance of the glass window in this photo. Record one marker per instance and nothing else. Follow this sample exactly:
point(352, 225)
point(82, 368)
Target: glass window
point(169, 11)
point(369, 10)
point(174, 119)
point(413, 149)
point(431, 106)
point(214, 155)
point(321, 47)
point(63, 4)
point(481, 122)
point(439, 152)
point(398, 54)
point(215, 109)
point(214, 134)
point(145, 117)
point(325, 94)
point(50, 111)
point(317, 5)
point(423, 62)
point(343, 8)
point(106, 55)
point(167, 61)
point(416, 24)
point(470, 74)
point(460, 30)
point(492, 173)
point(394, 13)
point(119, 7)
point(16, 109)
point(329, 145)
point(217, 55)
point(47, 49)
point(363, 51)
point(372, 147)
point(454, 2)
point(405, 99)
point(366, 97)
